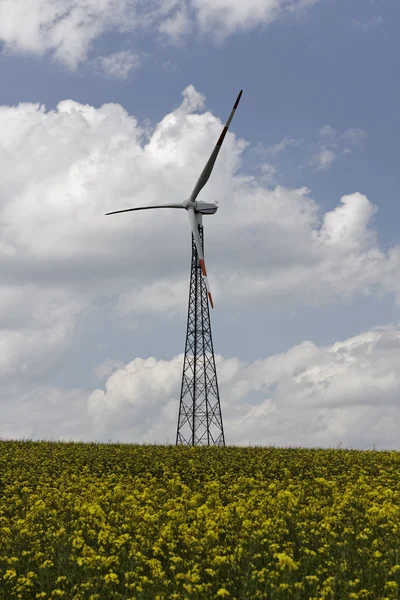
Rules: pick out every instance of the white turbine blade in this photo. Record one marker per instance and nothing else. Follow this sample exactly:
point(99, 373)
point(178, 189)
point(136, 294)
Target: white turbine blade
point(194, 223)
point(204, 177)
point(114, 212)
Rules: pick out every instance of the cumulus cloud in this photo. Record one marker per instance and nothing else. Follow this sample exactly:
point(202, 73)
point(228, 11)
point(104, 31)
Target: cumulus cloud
point(64, 28)
point(226, 16)
point(345, 393)
point(64, 168)
point(67, 29)
point(310, 395)
point(37, 327)
point(145, 388)
point(269, 173)
point(105, 369)
point(178, 25)
point(60, 256)
point(44, 412)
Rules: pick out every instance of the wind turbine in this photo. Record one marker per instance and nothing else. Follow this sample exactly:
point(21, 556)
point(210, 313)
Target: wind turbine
point(200, 420)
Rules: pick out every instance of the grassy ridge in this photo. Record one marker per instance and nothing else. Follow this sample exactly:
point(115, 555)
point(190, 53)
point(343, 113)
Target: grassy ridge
point(114, 521)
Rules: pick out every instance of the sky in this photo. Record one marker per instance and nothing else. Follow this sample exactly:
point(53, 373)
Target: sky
point(110, 104)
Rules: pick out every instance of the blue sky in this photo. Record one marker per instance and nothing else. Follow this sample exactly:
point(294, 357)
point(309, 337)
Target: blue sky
point(319, 111)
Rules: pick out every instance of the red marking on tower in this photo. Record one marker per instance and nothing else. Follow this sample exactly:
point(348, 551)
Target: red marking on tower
point(211, 300)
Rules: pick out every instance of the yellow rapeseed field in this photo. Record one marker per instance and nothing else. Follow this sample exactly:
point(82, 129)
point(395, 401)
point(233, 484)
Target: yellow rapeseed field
point(113, 521)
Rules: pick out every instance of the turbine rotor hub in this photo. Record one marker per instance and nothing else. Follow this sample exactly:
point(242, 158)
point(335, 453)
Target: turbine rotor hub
point(189, 204)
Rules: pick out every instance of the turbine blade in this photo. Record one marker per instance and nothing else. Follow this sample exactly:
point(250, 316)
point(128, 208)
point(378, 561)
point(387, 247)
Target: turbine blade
point(205, 175)
point(194, 223)
point(114, 212)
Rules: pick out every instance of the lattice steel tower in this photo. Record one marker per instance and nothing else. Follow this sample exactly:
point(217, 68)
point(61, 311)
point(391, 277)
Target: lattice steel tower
point(200, 419)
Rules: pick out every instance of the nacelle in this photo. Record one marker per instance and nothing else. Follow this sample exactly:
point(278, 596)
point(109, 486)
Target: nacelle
point(206, 208)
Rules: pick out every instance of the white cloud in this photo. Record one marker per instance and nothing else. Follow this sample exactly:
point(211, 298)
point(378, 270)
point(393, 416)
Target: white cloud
point(105, 369)
point(224, 17)
point(145, 387)
point(67, 29)
point(352, 135)
point(347, 225)
point(37, 327)
point(328, 131)
point(158, 297)
point(323, 159)
point(119, 65)
point(178, 25)
point(312, 396)
point(44, 412)
point(345, 393)
point(269, 173)
point(335, 145)
point(59, 255)
point(286, 142)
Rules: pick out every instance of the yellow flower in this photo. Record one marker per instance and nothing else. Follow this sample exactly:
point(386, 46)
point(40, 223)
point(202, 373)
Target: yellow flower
point(10, 574)
point(111, 578)
point(286, 561)
point(392, 585)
